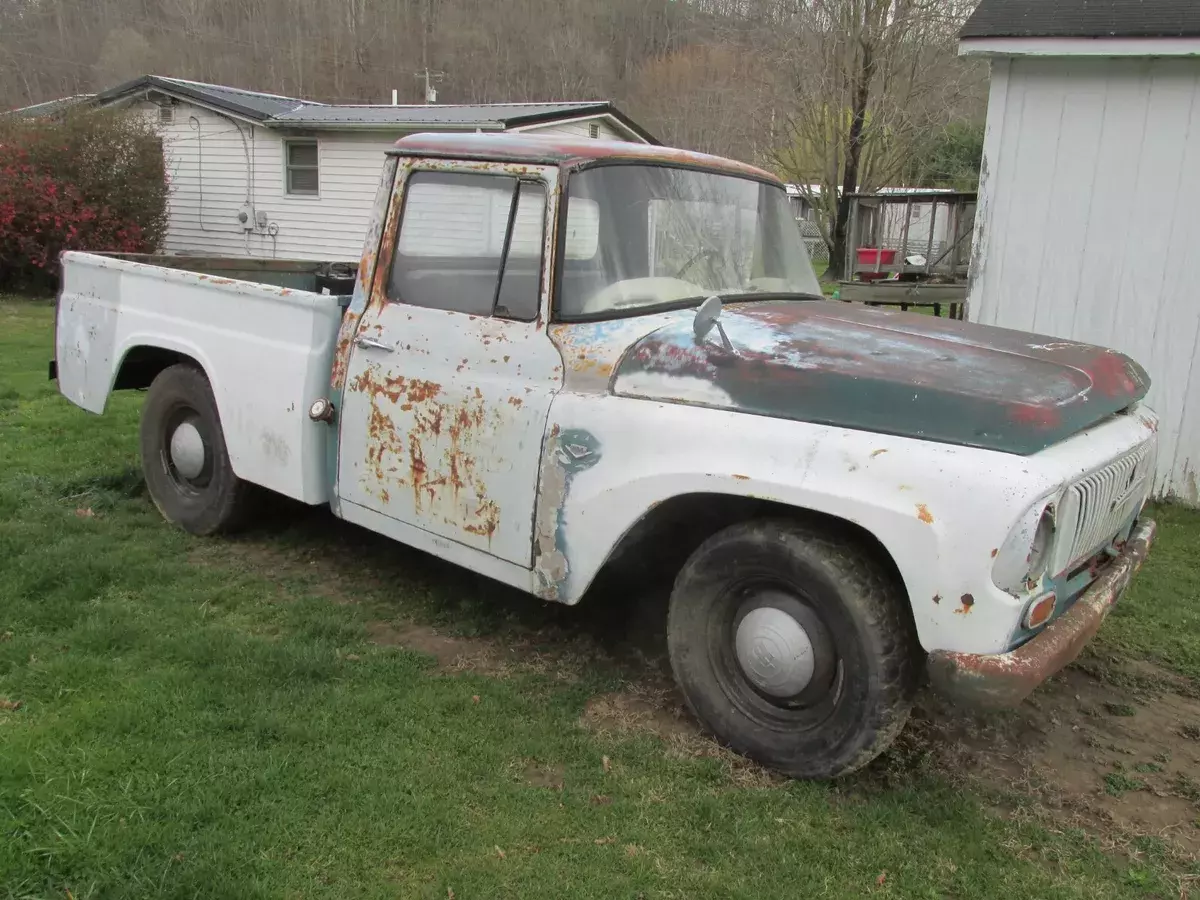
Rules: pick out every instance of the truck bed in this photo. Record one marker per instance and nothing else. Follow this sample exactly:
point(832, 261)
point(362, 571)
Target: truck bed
point(266, 350)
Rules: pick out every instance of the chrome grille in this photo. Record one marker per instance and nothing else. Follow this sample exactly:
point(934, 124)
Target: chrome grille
point(1095, 507)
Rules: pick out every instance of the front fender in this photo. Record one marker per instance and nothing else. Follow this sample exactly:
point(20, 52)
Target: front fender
point(938, 510)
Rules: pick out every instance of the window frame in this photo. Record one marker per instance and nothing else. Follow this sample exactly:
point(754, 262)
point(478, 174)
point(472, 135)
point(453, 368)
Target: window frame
point(519, 175)
point(560, 237)
point(288, 143)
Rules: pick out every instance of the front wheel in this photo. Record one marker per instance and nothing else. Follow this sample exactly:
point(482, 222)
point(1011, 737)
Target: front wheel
point(793, 647)
point(184, 457)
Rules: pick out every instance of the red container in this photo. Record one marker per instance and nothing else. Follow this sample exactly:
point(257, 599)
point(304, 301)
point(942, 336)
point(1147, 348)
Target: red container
point(867, 256)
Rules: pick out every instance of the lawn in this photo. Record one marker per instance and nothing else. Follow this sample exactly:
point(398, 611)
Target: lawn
point(242, 718)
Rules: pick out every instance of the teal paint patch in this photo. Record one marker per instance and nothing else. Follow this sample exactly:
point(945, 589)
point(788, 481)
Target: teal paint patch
point(891, 373)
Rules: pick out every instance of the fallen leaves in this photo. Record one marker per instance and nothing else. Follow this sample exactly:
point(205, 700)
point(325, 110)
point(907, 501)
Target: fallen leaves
point(601, 800)
point(606, 763)
point(474, 698)
point(85, 512)
point(499, 852)
point(10, 705)
point(881, 879)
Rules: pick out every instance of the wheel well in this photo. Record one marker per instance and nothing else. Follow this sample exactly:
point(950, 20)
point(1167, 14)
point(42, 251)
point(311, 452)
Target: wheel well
point(141, 366)
point(661, 541)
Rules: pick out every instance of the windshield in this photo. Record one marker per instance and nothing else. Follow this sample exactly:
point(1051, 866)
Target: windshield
point(640, 237)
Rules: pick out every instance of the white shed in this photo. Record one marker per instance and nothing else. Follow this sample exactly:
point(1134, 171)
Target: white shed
point(1089, 214)
point(264, 176)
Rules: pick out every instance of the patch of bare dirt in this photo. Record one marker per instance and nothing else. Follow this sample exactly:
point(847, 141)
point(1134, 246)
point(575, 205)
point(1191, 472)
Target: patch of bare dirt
point(1110, 746)
point(455, 654)
point(654, 707)
point(541, 775)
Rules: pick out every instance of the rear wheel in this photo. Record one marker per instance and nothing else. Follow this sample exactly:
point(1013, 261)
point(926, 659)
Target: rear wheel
point(793, 648)
point(184, 457)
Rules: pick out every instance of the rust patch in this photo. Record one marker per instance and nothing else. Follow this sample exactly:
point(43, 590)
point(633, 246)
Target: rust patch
point(995, 550)
point(923, 514)
point(516, 401)
point(967, 602)
point(741, 477)
point(937, 598)
point(875, 453)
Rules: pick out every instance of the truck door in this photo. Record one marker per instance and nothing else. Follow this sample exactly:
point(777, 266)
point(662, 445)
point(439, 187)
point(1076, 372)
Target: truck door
point(451, 376)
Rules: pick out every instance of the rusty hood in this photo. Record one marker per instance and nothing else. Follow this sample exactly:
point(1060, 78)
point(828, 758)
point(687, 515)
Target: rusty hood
point(889, 372)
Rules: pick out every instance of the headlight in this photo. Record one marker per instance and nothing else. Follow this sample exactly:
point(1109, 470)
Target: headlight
point(1026, 552)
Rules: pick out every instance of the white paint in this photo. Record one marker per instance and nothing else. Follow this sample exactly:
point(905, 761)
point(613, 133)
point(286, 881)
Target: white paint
point(1080, 46)
point(1087, 227)
point(485, 381)
point(266, 351)
point(651, 452)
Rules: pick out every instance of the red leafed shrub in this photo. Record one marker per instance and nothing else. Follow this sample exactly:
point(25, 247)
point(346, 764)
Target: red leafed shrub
point(94, 180)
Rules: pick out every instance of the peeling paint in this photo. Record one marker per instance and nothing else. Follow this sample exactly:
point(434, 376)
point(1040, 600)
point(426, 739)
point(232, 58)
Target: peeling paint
point(1003, 680)
point(923, 514)
point(566, 454)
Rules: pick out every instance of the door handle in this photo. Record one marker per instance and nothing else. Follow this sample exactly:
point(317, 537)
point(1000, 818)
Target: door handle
point(372, 344)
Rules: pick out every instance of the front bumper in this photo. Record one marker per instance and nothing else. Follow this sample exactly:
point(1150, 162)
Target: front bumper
point(1000, 680)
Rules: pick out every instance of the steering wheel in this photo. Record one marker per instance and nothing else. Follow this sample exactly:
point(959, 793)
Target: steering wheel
point(708, 253)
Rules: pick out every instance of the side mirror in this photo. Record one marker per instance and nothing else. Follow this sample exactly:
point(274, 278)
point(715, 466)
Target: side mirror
point(708, 316)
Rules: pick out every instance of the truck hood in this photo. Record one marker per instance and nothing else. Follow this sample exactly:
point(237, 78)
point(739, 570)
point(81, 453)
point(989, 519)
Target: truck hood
point(888, 372)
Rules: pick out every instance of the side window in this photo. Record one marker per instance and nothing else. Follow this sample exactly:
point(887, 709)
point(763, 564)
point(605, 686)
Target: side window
point(470, 243)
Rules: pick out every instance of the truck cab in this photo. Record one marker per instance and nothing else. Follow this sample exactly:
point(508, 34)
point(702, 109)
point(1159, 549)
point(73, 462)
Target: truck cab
point(562, 356)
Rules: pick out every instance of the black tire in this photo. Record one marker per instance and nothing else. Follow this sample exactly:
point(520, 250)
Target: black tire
point(864, 647)
point(215, 500)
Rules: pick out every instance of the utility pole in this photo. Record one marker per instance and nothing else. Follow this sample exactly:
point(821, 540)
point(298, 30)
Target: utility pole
point(431, 78)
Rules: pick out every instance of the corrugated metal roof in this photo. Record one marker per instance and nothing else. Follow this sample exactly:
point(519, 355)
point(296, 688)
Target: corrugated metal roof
point(273, 110)
point(1084, 18)
point(251, 104)
point(495, 115)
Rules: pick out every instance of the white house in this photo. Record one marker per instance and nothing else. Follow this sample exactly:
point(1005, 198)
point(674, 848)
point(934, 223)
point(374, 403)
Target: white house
point(260, 175)
point(1088, 220)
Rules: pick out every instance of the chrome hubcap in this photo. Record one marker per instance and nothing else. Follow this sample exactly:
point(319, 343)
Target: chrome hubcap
point(775, 652)
point(187, 451)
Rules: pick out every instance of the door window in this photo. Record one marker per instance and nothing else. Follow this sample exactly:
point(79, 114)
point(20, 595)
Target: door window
point(470, 243)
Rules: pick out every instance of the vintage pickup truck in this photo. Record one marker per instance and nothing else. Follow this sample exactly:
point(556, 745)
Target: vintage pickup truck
point(562, 356)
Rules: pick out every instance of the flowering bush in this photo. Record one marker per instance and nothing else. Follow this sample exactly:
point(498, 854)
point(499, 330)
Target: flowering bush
point(94, 180)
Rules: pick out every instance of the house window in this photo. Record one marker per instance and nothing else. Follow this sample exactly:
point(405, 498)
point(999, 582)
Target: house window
point(471, 244)
point(302, 173)
point(594, 130)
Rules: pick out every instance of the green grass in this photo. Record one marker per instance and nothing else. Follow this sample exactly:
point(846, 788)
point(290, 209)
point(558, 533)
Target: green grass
point(196, 720)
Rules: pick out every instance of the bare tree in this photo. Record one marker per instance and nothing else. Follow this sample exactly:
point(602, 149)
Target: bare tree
point(867, 81)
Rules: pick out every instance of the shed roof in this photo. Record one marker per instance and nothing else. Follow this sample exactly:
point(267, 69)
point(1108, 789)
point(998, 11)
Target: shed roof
point(276, 111)
point(1084, 18)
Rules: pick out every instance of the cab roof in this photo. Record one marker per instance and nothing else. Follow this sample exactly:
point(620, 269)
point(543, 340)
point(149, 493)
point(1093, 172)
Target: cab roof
point(562, 150)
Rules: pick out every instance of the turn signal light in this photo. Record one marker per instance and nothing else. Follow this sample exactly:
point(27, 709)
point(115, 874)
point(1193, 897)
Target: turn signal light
point(1039, 611)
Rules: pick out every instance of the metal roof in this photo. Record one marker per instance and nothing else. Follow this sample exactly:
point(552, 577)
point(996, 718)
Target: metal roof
point(250, 104)
point(1084, 18)
point(562, 150)
point(275, 111)
point(49, 107)
point(497, 115)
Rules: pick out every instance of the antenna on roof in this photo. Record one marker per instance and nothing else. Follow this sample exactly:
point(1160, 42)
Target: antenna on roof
point(430, 77)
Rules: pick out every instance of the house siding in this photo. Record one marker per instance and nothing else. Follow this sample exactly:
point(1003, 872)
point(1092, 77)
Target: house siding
point(217, 164)
point(1087, 223)
point(579, 129)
